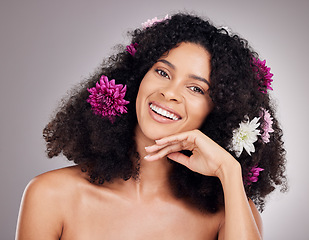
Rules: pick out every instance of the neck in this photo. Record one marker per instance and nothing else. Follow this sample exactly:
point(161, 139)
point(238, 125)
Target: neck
point(153, 176)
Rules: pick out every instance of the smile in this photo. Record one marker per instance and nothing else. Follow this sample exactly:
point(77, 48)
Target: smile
point(163, 112)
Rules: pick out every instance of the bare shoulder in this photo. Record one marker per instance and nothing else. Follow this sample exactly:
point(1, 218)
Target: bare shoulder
point(53, 184)
point(59, 177)
point(67, 172)
point(57, 188)
point(44, 203)
point(256, 216)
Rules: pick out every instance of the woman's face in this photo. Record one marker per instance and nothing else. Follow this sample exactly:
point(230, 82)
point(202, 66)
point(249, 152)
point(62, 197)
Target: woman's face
point(172, 96)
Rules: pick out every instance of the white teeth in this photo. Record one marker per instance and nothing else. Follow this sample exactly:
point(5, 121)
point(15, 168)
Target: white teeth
point(163, 112)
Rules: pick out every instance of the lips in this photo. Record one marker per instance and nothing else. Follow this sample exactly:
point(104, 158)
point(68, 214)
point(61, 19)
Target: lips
point(165, 112)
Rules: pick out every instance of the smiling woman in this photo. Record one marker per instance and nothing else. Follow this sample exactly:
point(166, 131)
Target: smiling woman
point(174, 137)
point(173, 93)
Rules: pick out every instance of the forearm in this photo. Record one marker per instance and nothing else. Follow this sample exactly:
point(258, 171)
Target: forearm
point(240, 222)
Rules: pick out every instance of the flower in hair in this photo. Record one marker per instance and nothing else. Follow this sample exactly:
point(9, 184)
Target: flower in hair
point(266, 125)
point(150, 22)
point(131, 48)
point(107, 99)
point(263, 74)
point(245, 136)
point(253, 175)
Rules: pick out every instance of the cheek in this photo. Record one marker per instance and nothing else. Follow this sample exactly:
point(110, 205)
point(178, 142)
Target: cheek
point(148, 87)
point(139, 100)
point(144, 85)
point(143, 92)
point(199, 112)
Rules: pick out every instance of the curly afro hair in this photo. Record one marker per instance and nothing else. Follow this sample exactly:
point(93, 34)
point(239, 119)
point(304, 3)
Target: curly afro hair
point(107, 150)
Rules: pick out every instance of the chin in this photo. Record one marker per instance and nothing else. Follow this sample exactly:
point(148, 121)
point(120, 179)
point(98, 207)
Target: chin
point(153, 133)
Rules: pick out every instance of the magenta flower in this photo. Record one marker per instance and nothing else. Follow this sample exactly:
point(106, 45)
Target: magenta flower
point(266, 125)
point(132, 48)
point(106, 99)
point(253, 175)
point(263, 74)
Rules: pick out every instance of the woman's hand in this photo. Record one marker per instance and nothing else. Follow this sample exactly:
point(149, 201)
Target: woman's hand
point(242, 220)
point(207, 156)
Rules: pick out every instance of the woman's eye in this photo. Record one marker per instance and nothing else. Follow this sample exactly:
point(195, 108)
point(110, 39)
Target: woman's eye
point(196, 89)
point(162, 73)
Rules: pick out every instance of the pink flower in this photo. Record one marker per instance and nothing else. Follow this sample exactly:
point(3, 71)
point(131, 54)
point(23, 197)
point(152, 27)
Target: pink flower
point(132, 48)
point(106, 99)
point(253, 175)
point(266, 125)
point(149, 22)
point(263, 74)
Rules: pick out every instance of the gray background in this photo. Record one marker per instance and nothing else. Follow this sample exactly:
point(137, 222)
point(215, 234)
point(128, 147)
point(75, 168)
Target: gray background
point(49, 46)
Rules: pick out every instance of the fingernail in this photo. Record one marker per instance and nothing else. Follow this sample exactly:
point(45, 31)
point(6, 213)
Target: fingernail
point(147, 156)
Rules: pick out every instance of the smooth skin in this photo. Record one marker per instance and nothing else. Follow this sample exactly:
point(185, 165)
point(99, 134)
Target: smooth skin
point(242, 221)
point(63, 204)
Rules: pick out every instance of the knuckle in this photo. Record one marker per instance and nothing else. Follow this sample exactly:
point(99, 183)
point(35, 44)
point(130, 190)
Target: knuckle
point(170, 149)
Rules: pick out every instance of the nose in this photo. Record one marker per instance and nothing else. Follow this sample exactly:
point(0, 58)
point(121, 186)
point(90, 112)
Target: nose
point(172, 92)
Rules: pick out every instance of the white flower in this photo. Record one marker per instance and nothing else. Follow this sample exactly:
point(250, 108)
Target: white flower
point(245, 136)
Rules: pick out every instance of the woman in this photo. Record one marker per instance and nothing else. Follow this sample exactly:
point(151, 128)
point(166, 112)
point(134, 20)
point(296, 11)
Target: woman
point(183, 151)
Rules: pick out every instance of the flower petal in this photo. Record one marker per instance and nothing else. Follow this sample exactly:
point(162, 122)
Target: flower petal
point(245, 136)
point(107, 98)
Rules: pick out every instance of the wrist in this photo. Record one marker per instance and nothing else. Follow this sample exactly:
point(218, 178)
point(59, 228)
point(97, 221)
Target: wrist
point(229, 171)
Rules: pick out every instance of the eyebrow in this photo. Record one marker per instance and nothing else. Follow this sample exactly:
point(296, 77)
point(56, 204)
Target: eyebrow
point(191, 75)
point(200, 79)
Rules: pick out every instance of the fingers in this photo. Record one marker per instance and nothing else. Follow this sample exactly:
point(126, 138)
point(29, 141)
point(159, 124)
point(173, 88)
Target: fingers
point(172, 139)
point(170, 144)
point(154, 148)
point(158, 152)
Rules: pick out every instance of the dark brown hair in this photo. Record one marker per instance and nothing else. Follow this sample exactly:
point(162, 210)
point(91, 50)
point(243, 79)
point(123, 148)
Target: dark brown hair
point(105, 150)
